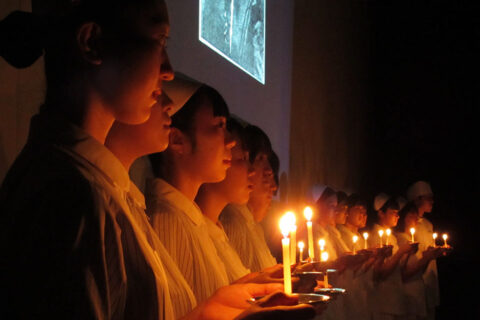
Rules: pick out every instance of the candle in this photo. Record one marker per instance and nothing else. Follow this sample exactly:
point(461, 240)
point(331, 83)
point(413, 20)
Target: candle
point(308, 213)
point(324, 258)
point(380, 233)
point(435, 235)
point(388, 232)
point(321, 243)
point(285, 228)
point(293, 238)
point(445, 237)
point(412, 232)
point(354, 239)
point(301, 245)
point(365, 237)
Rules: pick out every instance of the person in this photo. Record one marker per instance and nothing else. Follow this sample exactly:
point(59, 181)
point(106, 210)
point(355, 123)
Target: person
point(389, 297)
point(241, 222)
point(128, 142)
point(414, 267)
point(62, 205)
point(199, 151)
point(421, 194)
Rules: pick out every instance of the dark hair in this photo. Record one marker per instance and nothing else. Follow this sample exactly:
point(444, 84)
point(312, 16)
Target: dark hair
point(391, 203)
point(356, 200)
point(184, 118)
point(327, 193)
point(408, 208)
point(341, 197)
point(274, 161)
point(257, 142)
point(236, 129)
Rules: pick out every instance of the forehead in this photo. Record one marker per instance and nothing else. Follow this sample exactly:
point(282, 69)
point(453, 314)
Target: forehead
point(204, 115)
point(150, 15)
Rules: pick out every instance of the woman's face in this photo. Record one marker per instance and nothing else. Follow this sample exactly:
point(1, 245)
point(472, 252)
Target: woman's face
point(389, 218)
point(341, 214)
point(425, 203)
point(134, 63)
point(357, 216)
point(238, 183)
point(411, 221)
point(328, 208)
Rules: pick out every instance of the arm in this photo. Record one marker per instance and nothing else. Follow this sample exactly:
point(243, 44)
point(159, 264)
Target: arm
point(419, 266)
point(385, 269)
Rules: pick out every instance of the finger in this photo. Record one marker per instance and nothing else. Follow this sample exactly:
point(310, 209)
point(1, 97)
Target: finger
point(256, 290)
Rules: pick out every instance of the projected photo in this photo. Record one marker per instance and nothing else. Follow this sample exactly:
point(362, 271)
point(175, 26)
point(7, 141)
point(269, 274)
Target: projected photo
point(236, 30)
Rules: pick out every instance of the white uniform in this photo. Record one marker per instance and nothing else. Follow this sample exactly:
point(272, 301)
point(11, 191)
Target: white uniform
point(424, 235)
point(359, 283)
point(181, 294)
point(182, 228)
point(233, 265)
point(246, 237)
point(388, 298)
point(414, 288)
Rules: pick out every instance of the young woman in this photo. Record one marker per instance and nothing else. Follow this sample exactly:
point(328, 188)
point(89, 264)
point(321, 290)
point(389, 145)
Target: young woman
point(62, 209)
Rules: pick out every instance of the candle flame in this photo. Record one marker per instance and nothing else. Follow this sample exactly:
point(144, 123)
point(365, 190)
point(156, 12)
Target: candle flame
point(355, 239)
point(445, 236)
point(308, 213)
point(287, 222)
point(321, 242)
point(301, 245)
point(324, 256)
point(435, 235)
point(388, 232)
point(412, 231)
point(365, 235)
point(380, 233)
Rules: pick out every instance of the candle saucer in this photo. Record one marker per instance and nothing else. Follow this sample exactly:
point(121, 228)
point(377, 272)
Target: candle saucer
point(333, 292)
point(307, 282)
point(312, 298)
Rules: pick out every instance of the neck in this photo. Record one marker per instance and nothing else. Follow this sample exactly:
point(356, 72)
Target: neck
point(257, 208)
point(180, 179)
point(351, 227)
point(211, 203)
point(383, 225)
point(122, 151)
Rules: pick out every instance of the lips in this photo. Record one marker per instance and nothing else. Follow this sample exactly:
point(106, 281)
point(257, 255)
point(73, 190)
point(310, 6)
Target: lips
point(227, 162)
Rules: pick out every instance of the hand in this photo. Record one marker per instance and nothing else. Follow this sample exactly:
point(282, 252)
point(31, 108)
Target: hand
point(231, 302)
point(406, 248)
point(279, 306)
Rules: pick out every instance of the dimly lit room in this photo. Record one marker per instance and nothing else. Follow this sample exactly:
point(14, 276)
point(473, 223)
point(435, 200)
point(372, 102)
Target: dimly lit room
point(239, 159)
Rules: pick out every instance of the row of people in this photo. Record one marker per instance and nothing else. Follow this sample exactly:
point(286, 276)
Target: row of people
point(76, 240)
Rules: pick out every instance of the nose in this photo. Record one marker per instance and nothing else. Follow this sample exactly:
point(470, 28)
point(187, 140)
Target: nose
point(166, 103)
point(229, 141)
point(251, 170)
point(166, 70)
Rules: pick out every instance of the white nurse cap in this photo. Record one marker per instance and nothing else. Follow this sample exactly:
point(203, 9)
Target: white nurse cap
point(380, 200)
point(418, 189)
point(180, 90)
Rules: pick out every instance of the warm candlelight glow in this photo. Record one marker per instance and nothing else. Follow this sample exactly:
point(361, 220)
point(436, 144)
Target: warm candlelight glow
point(286, 225)
point(365, 237)
point(324, 256)
point(321, 243)
point(301, 245)
point(388, 233)
point(435, 236)
point(293, 236)
point(412, 232)
point(445, 237)
point(380, 233)
point(354, 239)
point(308, 213)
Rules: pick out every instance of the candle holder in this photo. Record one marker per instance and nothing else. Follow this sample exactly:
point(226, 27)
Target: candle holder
point(331, 292)
point(307, 282)
point(312, 299)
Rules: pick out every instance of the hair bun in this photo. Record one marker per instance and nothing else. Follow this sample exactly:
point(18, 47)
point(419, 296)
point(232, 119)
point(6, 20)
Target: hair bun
point(21, 39)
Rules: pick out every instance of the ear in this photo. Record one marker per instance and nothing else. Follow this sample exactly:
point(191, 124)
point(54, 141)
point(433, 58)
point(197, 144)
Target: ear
point(88, 40)
point(178, 142)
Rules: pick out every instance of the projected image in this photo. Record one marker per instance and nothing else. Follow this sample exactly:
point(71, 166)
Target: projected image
point(236, 30)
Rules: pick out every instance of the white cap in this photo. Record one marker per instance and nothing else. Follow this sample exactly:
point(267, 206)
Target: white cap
point(401, 202)
point(317, 191)
point(418, 189)
point(380, 200)
point(180, 90)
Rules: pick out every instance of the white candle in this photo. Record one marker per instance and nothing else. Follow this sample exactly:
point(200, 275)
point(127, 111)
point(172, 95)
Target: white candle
point(301, 245)
point(354, 240)
point(365, 237)
point(285, 227)
point(445, 237)
point(380, 233)
point(388, 232)
point(324, 258)
point(308, 213)
point(435, 235)
point(412, 232)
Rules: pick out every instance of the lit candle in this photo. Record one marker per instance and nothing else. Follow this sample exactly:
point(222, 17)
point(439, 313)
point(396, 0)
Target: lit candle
point(324, 258)
point(354, 239)
point(445, 237)
point(412, 232)
point(293, 238)
point(435, 235)
point(285, 227)
point(321, 243)
point(365, 237)
point(380, 233)
point(308, 213)
point(388, 233)
point(301, 245)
